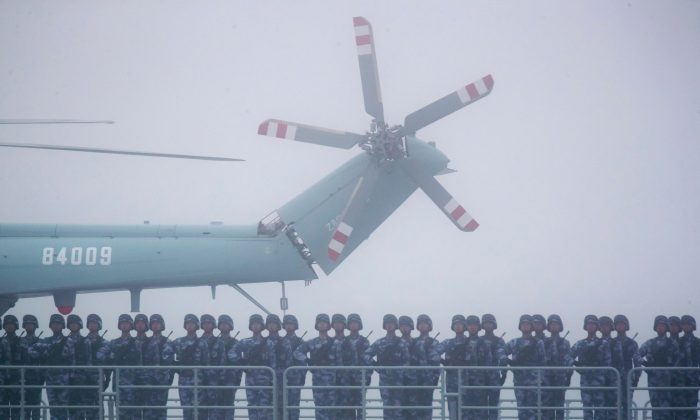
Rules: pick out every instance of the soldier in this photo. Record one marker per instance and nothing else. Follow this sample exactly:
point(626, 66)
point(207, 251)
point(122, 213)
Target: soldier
point(420, 350)
point(320, 353)
point(343, 378)
point(353, 355)
point(122, 352)
point(689, 357)
point(190, 351)
point(591, 352)
point(51, 352)
point(659, 352)
point(455, 350)
point(141, 376)
point(11, 355)
point(557, 351)
point(274, 325)
point(285, 359)
point(496, 348)
point(159, 351)
point(256, 351)
point(91, 396)
point(209, 377)
point(389, 350)
point(526, 350)
point(605, 326)
point(623, 350)
point(32, 377)
point(80, 351)
point(677, 377)
point(477, 355)
point(231, 378)
point(538, 326)
point(410, 377)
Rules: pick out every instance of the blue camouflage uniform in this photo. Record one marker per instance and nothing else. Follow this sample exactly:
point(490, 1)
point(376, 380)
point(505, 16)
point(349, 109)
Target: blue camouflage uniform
point(35, 377)
point(526, 352)
point(354, 348)
point(390, 351)
point(231, 378)
point(285, 359)
point(592, 352)
point(496, 347)
point(92, 396)
point(211, 377)
point(455, 350)
point(190, 351)
point(623, 350)
point(659, 352)
point(10, 354)
point(420, 352)
point(689, 346)
point(80, 353)
point(50, 351)
point(256, 351)
point(557, 352)
point(321, 352)
point(159, 351)
point(121, 352)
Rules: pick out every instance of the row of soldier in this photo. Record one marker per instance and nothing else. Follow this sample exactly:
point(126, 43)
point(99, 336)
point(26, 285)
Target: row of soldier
point(467, 348)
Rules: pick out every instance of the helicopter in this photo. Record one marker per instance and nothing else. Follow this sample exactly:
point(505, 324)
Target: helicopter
point(320, 227)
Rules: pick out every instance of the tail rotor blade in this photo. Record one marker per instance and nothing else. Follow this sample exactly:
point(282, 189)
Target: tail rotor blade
point(53, 121)
point(443, 199)
point(448, 104)
point(117, 152)
point(309, 134)
point(366, 55)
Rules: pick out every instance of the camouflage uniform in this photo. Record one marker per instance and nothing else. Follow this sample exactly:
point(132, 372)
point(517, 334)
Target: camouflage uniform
point(256, 351)
point(80, 353)
point(526, 351)
point(611, 379)
point(420, 350)
point(32, 377)
point(10, 354)
point(51, 351)
point(274, 342)
point(354, 348)
point(190, 351)
point(455, 350)
point(92, 396)
point(496, 348)
point(592, 352)
point(231, 378)
point(343, 378)
point(210, 377)
point(158, 351)
point(623, 350)
point(141, 376)
point(285, 359)
point(557, 353)
point(320, 351)
point(678, 376)
point(690, 357)
point(659, 352)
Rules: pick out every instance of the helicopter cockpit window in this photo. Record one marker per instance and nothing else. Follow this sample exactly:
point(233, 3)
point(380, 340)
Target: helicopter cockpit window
point(271, 224)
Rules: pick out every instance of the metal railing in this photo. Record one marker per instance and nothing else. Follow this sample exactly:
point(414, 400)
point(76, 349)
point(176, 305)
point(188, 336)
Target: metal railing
point(668, 383)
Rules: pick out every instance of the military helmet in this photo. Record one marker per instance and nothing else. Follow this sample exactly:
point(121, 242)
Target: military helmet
point(537, 318)
point(660, 319)
point(674, 320)
point(125, 318)
point(489, 318)
point(687, 319)
point(207, 318)
point(273, 319)
point(474, 320)
point(255, 318)
point(30, 319)
point(322, 318)
point(57, 318)
point(621, 318)
point(96, 319)
point(605, 320)
point(555, 318)
point(141, 318)
point(389, 318)
point(290, 319)
point(10, 319)
point(590, 318)
point(356, 318)
point(425, 318)
point(156, 318)
point(191, 318)
point(339, 318)
point(406, 320)
point(225, 319)
point(458, 319)
point(74, 319)
point(523, 319)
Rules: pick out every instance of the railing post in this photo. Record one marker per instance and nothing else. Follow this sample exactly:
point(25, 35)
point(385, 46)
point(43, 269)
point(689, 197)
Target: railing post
point(100, 393)
point(117, 391)
point(21, 393)
point(364, 392)
point(274, 395)
point(539, 393)
point(196, 393)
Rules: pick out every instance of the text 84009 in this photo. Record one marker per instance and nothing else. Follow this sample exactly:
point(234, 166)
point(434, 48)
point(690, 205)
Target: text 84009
point(77, 256)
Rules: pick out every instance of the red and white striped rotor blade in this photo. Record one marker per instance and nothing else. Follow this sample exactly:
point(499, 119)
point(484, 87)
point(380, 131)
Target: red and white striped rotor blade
point(448, 104)
point(352, 214)
point(367, 57)
point(309, 134)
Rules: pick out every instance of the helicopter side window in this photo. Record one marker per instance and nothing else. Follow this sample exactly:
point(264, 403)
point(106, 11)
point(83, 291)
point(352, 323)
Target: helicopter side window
point(271, 224)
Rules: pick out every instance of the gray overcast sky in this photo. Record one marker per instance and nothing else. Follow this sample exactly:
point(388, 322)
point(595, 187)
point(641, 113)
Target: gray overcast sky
point(581, 166)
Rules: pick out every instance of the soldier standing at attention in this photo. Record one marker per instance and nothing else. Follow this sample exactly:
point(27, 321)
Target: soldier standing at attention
point(526, 350)
point(390, 350)
point(274, 325)
point(660, 351)
point(623, 350)
point(319, 352)
point(557, 351)
point(455, 350)
point(689, 357)
point(496, 348)
point(209, 377)
point(122, 352)
point(159, 352)
point(342, 377)
point(285, 359)
point(354, 355)
point(609, 396)
point(80, 352)
point(32, 377)
point(538, 326)
point(256, 351)
point(231, 378)
point(592, 352)
point(677, 377)
point(190, 351)
point(51, 352)
point(11, 355)
point(141, 376)
point(410, 377)
point(420, 351)
point(97, 343)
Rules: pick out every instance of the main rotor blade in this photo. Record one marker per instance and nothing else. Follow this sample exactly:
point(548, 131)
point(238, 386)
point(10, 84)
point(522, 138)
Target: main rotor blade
point(353, 210)
point(117, 152)
point(444, 200)
point(53, 121)
point(448, 104)
point(366, 55)
point(309, 134)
